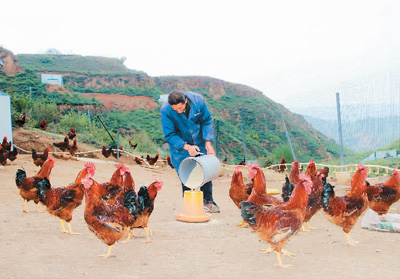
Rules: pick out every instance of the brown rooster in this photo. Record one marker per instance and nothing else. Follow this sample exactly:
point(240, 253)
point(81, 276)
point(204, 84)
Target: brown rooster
point(62, 201)
point(294, 172)
point(382, 195)
point(282, 166)
point(152, 160)
point(40, 158)
point(277, 223)
point(146, 198)
point(118, 152)
point(6, 144)
point(73, 148)
point(106, 152)
point(132, 145)
point(344, 211)
point(72, 133)
point(3, 156)
point(239, 191)
point(109, 222)
point(43, 125)
point(28, 185)
point(169, 162)
point(21, 122)
point(314, 200)
point(62, 145)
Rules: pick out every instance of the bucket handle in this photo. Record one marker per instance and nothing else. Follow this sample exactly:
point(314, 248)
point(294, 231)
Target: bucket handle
point(199, 154)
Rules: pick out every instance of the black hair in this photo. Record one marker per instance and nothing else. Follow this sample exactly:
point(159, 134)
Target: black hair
point(176, 97)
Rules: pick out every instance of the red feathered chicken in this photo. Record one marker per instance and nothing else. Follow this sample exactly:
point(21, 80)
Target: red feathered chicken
point(294, 172)
point(132, 145)
point(146, 197)
point(259, 196)
point(106, 152)
point(28, 185)
point(110, 190)
point(239, 191)
point(12, 154)
point(62, 145)
point(40, 158)
point(169, 162)
point(3, 156)
point(62, 201)
point(72, 133)
point(276, 224)
point(311, 169)
point(21, 122)
point(118, 152)
point(282, 166)
point(109, 222)
point(6, 144)
point(152, 160)
point(43, 125)
point(344, 211)
point(382, 195)
point(73, 148)
point(314, 200)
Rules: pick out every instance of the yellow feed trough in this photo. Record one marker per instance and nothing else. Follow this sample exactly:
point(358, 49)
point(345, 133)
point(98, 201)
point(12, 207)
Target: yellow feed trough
point(193, 210)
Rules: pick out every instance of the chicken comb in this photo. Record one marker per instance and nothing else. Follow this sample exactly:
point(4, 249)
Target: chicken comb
point(237, 169)
point(364, 170)
point(159, 183)
point(121, 167)
point(90, 165)
point(52, 161)
point(306, 178)
point(312, 161)
point(253, 165)
point(395, 172)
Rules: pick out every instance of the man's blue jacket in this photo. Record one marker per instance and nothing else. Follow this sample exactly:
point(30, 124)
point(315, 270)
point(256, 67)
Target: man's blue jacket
point(180, 130)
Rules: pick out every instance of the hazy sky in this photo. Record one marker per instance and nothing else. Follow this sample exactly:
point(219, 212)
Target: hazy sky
point(282, 48)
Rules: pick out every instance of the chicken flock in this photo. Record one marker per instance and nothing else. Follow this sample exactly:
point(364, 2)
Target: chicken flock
point(112, 208)
point(303, 195)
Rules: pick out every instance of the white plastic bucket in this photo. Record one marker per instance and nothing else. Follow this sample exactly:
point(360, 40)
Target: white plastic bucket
point(194, 172)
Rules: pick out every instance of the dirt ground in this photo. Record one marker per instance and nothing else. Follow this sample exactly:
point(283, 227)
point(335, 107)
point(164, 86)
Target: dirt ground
point(32, 245)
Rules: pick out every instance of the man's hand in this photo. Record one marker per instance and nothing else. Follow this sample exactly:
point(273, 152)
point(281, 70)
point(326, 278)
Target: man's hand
point(210, 148)
point(192, 149)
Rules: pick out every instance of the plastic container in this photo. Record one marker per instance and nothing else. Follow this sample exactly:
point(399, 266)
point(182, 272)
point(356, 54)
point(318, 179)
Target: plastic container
point(194, 172)
point(193, 210)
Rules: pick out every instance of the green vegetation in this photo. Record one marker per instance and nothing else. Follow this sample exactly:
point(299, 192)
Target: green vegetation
point(238, 108)
point(88, 65)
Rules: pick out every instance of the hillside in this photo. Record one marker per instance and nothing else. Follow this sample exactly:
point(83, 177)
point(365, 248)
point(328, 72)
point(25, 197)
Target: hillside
point(130, 102)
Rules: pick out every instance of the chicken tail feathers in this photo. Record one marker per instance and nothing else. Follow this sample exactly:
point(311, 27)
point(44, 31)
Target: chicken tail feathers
point(327, 193)
point(20, 175)
point(287, 189)
point(130, 201)
point(249, 212)
point(43, 186)
point(144, 197)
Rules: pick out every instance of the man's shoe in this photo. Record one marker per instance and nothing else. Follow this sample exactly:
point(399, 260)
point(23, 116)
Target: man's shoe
point(211, 207)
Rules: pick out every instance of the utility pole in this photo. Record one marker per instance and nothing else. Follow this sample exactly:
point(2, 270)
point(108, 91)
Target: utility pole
point(340, 129)
point(244, 142)
point(288, 137)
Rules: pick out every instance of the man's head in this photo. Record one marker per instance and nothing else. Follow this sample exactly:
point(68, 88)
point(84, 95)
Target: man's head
point(177, 100)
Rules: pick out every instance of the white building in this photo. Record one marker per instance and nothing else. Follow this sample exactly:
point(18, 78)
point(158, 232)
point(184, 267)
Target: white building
point(5, 115)
point(51, 79)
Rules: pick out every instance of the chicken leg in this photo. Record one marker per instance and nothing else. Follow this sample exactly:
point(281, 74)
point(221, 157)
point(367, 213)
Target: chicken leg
point(69, 228)
point(280, 264)
point(350, 241)
point(243, 224)
point(108, 252)
point(309, 227)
